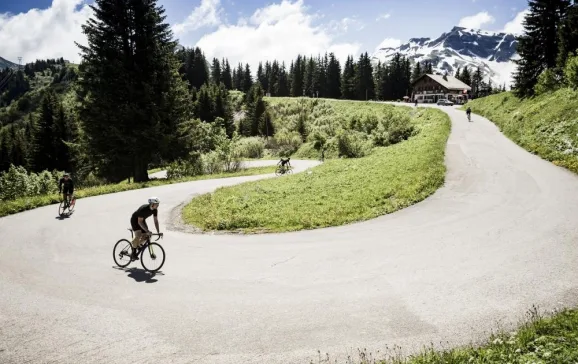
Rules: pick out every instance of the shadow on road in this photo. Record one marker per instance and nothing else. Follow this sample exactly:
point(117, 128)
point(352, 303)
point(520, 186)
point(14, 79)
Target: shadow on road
point(141, 275)
point(62, 217)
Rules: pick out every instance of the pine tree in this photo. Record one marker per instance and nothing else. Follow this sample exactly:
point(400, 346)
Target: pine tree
point(45, 155)
point(568, 35)
point(247, 80)
point(333, 77)
point(477, 79)
point(227, 76)
point(274, 79)
point(538, 46)
point(216, 71)
point(348, 80)
point(283, 89)
point(238, 78)
point(297, 78)
point(416, 73)
point(458, 75)
point(137, 98)
point(364, 84)
point(465, 76)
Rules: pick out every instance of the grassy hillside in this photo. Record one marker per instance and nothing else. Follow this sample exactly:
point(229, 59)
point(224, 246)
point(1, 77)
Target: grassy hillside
point(344, 190)
point(546, 125)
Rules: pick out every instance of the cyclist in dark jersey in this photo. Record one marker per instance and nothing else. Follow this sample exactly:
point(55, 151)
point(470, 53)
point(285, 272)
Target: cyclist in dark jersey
point(139, 225)
point(68, 185)
point(285, 163)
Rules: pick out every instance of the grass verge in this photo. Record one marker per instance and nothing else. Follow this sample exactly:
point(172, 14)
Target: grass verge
point(338, 192)
point(546, 125)
point(539, 339)
point(27, 203)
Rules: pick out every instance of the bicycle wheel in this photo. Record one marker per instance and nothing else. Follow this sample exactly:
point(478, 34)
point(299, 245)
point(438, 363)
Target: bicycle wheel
point(122, 252)
point(152, 257)
point(71, 205)
point(62, 208)
point(278, 171)
point(289, 171)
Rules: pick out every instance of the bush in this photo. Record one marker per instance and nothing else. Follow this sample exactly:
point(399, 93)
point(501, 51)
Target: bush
point(252, 147)
point(571, 72)
point(186, 168)
point(288, 142)
point(352, 144)
point(547, 81)
point(17, 182)
point(213, 163)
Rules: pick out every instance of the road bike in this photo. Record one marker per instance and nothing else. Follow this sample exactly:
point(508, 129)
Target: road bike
point(151, 252)
point(469, 117)
point(67, 204)
point(283, 170)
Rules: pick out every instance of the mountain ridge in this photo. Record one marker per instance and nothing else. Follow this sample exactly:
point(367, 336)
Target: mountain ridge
point(460, 47)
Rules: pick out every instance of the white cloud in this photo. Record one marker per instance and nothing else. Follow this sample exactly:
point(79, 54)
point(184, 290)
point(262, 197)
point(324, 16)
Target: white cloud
point(206, 14)
point(46, 33)
point(279, 31)
point(389, 43)
point(476, 21)
point(344, 25)
point(383, 17)
point(516, 26)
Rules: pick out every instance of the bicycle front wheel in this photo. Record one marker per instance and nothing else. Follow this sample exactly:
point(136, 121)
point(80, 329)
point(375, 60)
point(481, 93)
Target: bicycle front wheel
point(62, 208)
point(122, 253)
point(152, 257)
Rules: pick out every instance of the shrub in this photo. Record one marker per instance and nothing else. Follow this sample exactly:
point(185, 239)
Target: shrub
point(252, 147)
point(186, 168)
point(288, 142)
point(352, 144)
point(547, 81)
point(213, 163)
point(571, 72)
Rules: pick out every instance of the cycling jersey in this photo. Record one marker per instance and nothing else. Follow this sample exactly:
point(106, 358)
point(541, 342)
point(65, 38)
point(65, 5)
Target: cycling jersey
point(67, 184)
point(145, 212)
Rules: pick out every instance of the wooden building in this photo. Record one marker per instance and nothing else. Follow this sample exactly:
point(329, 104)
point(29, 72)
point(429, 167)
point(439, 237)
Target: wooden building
point(430, 88)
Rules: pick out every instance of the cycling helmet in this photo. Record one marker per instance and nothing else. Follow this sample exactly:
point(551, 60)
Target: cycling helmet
point(154, 200)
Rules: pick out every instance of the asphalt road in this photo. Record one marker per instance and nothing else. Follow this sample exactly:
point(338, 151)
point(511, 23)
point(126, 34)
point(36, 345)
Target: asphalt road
point(499, 237)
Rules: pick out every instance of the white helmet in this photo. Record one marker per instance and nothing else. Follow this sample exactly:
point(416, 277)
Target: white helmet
point(154, 200)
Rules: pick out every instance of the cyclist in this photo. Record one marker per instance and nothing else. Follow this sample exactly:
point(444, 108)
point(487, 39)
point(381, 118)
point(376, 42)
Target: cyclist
point(139, 225)
point(68, 185)
point(469, 112)
point(285, 163)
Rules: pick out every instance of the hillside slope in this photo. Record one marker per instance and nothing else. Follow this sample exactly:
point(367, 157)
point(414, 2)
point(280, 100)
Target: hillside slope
point(546, 125)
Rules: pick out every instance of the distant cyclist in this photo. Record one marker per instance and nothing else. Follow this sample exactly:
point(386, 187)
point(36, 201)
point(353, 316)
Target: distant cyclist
point(66, 187)
point(139, 225)
point(285, 163)
point(469, 112)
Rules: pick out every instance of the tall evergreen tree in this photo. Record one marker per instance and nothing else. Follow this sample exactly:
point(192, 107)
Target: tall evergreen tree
point(45, 135)
point(130, 62)
point(416, 73)
point(568, 35)
point(333, 77)
point(227, 76)
point(538, 46)
point(283, 89)
point(247, 80)
point(297, 77)
point(216, 71)
point(364, 84)
point(348, 80)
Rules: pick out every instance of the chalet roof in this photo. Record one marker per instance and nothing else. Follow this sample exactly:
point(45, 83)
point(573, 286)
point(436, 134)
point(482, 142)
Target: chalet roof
point(451, 83)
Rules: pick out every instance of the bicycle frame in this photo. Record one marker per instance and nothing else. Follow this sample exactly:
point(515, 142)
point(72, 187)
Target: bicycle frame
point(147, 243)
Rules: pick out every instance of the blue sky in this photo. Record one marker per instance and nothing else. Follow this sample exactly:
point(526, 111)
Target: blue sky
point(249, 30)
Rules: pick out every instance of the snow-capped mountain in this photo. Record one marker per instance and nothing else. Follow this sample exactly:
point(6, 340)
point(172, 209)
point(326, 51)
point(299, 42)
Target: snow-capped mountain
point(461, 47)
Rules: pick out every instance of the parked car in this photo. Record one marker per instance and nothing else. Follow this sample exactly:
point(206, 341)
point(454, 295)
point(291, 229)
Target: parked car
point(445, 102)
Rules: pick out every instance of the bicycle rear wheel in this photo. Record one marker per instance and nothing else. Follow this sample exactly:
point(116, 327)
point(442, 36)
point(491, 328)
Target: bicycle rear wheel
point(278, 171)
point(152, 257)
point(122, 252)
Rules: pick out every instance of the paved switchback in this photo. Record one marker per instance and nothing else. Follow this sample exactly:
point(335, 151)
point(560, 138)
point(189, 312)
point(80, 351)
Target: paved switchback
point(499, 237)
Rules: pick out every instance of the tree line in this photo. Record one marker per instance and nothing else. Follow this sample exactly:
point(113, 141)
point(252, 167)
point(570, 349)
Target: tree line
point(547, 48)
point(137, 98)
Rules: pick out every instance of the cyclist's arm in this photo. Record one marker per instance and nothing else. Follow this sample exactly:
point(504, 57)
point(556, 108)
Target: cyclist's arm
point(157, 224)
point(60, 186)
point(142, 225)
